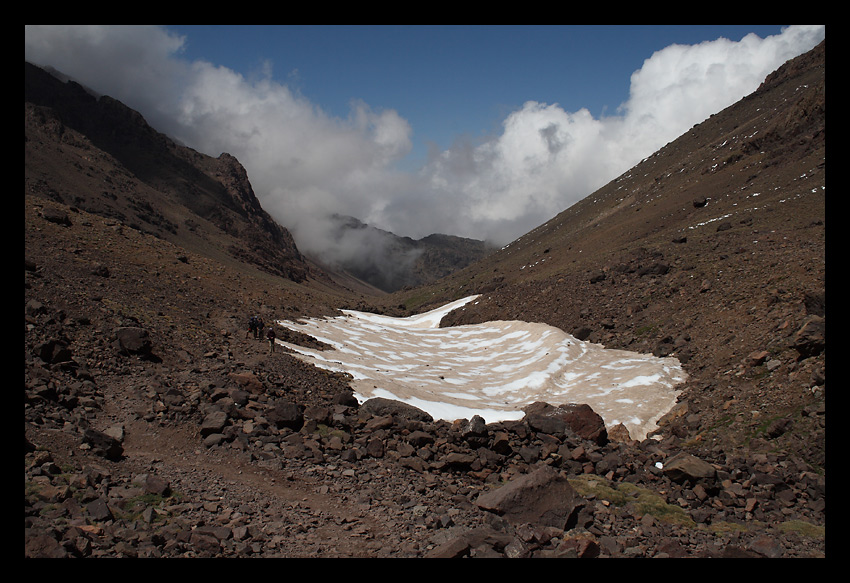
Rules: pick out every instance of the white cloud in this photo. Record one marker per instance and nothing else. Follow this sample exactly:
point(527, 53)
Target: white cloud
point(134, 64)
point(546, 158)
point(303, 162)
point(682, 85)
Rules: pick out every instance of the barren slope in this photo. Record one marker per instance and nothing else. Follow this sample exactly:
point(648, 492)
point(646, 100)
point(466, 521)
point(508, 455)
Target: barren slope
point(712, 250)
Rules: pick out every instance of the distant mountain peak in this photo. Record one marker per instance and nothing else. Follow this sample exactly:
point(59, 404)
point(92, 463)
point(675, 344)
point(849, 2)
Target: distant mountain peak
point(393, 261)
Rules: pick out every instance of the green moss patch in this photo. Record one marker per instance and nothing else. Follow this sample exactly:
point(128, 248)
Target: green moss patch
point(643, 501)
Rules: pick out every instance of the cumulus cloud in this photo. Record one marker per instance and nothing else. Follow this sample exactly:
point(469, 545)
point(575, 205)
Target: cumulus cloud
point(306, 164)
point(547, 158)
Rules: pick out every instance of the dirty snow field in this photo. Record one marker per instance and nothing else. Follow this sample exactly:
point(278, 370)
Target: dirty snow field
point(492, 369)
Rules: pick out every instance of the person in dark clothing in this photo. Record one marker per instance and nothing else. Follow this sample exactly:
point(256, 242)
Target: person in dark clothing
point(271, 336)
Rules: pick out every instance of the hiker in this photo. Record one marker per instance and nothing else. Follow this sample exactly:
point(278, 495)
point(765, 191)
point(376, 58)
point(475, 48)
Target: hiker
point(271, 336)
point(258, 330)
point(252, 327)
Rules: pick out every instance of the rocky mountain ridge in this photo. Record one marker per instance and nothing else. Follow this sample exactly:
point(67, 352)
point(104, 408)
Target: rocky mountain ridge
point(199, 201)
point(397, 262)
point(155, 427)
point(114, 164)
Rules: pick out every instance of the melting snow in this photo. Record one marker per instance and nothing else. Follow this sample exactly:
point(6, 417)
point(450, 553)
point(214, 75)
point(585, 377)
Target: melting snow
point(492, 369)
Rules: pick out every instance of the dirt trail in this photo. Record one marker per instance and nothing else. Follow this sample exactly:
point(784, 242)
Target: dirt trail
point(325, 522)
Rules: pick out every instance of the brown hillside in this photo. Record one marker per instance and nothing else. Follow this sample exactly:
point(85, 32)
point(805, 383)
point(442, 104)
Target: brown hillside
point(712, 249)
point(99, 156)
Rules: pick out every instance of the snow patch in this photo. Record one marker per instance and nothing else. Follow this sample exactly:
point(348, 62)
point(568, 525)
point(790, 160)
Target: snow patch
point(492, 369)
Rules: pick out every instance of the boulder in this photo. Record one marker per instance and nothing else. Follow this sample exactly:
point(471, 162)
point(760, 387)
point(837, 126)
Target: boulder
point(463, 545)
point(815, 303)
point(286, 414)
point(103, 444)
point(133, 340)
point(809, 339)
point(544, 418)
point(54, 352)
point(459, 461)
point(156, 485)
point(248, 381)
point(582, 333)
point(213, 423)
point(475, 427)
point(420, 438)
point(42, 546)
point(685, 467)
point(375, 448)
point(56, 216)
point(580, 419)
point(757, 357)
point(542, 497)
point(347, 399)
point(620, 434)
point(381, 406)
point(585, 422)
point(501, 443)
point(98, 510)
point(654, 269)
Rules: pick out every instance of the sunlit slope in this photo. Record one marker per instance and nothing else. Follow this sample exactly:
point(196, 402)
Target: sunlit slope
point(758, 162)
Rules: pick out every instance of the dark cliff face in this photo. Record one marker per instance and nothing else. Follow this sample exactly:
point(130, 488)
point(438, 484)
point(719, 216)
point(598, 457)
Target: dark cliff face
point(124, 169)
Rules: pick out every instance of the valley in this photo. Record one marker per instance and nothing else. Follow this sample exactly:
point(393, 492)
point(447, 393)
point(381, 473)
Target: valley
point(155, 427)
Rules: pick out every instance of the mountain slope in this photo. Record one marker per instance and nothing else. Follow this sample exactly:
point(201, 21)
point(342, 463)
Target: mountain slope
point(150, 182)
point(712, 249)
point(102, 157)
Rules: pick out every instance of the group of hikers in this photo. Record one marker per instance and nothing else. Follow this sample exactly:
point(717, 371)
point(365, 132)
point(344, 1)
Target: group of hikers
point(256, 328)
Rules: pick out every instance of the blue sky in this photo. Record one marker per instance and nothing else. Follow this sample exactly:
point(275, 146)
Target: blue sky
point(478, 131)
point(450, 81)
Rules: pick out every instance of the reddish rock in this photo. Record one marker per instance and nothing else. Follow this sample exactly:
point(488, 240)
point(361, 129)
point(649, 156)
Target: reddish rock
point(541, 497)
